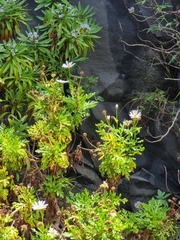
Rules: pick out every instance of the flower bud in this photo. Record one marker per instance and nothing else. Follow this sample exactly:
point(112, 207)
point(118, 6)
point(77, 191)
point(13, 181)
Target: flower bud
point(73, 208)
point(85, 135)
point(24, 228)
point(40, 224)
point(12, 177)
point(53, 75)
point(81, 73)
point(58, 213)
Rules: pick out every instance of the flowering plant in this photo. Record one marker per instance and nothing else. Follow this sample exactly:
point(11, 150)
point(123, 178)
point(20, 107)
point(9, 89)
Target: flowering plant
point(45, 233)
point(34, 71)
point(71, 29)
point(13, 13)
point(120, 143)
point(37, 44)
point(94, 216)
point(40, 205)
point(14, 54)
point(57, 115)
point(151, 219)
point(100, 216)
point(13, 153)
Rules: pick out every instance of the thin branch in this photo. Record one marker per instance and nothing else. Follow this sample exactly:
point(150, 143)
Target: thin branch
point(169, 52)
point(166, 183)
point(163, 136)
point(166, 175)
point(173, 79)
point(58, 220)
point(92, 145)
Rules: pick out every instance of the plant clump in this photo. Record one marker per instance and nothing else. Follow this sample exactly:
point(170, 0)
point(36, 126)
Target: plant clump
point(43, 103)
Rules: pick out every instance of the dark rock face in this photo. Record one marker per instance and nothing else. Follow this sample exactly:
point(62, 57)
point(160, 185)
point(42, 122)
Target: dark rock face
point(121, 75)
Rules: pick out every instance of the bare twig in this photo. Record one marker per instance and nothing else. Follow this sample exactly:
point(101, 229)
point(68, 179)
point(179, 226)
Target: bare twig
point(166, 177)
point(58, 220)
point(168, 49)
point(163, 136)
point(173, 79)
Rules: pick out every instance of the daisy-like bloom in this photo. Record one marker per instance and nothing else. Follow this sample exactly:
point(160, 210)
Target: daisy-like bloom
point(86, 26)
point(75, 33)
point(61, 16)
point(138, 204)
point(40, 205)
point(61, 81)
point(68, 65)
point(135, 115)
point(131, 10)
point(2, 9)
point(104, 185)
point(52, 232)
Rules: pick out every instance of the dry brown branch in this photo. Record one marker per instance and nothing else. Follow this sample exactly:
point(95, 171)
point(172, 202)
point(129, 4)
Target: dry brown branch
point(163, 136)
point(34, 160)
point(166, 175)
point(58, 219)
point(166, 183)
point(168, 49)
point(159, 50)
point(173, 79)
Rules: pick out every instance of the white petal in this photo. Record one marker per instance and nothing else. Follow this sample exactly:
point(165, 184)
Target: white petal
point(61, 81)
point(52, 232)
point(64, 65)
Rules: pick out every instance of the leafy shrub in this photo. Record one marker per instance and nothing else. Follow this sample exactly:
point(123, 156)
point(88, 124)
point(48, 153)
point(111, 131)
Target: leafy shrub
point(13, 149)
point(100, 216)
point(35, 69)
point(57, 116)
point(13, 15)
point(94, 216)
point(120, 143)
point(71, 27)
point(152, 218)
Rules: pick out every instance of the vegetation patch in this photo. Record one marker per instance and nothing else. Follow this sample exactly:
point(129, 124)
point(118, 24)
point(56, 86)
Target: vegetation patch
point(43, 102)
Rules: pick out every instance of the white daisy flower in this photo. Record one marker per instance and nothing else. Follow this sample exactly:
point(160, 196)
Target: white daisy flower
point(135, 115)
point(68, 65)
point(52, 232)
point(40, 205)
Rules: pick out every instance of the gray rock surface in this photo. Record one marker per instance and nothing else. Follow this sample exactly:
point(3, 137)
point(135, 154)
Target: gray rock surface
point(121, 76)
